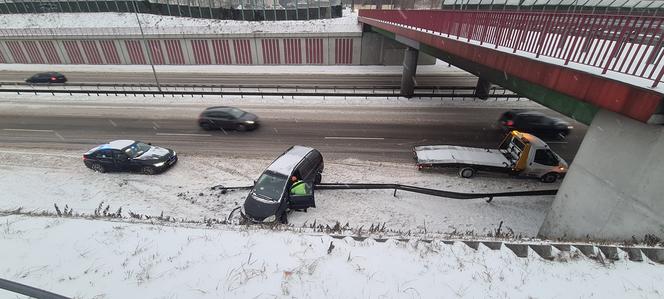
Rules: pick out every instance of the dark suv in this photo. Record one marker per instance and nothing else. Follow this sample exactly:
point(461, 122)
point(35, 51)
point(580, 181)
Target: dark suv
point(50, 77)
point(129, 155)
point(270, 198)
point(535, 123)
point(222, 117)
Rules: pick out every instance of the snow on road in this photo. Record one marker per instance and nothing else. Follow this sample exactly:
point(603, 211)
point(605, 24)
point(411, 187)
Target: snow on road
point(99, 259)
point(35, 181)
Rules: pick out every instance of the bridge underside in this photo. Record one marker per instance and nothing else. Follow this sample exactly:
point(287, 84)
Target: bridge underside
point(576, 94)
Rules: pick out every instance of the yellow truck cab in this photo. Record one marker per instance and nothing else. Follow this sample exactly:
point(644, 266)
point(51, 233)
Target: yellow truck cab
point(518, 154)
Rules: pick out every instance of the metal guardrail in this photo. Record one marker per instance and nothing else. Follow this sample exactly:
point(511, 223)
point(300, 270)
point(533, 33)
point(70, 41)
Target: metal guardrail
point(434, 192)
point(28, 290)
point(415, 189)
point(217, 90)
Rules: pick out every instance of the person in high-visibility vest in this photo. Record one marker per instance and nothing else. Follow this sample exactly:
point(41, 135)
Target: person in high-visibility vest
point(298, 187)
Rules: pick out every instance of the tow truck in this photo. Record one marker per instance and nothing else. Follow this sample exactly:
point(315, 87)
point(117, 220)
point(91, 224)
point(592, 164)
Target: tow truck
point(519, 154)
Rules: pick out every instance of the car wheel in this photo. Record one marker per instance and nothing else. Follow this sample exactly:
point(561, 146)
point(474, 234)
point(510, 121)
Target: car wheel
point(149, 170)
point(98, 167)
point(283, 218)
point(318, 178)
point(241, 128)
point(206, 126)
point(549, 177)
point(466, 172)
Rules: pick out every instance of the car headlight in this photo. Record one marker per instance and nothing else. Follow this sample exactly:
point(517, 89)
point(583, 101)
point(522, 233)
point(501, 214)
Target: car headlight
point(160, 164)
point(251, 122)
point(175, 153)
point(270, 219)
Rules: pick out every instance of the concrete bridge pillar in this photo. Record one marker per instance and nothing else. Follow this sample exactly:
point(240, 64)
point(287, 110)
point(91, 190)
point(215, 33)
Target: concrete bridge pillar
point(408, 82)
point(482, 89)
point(615, 187)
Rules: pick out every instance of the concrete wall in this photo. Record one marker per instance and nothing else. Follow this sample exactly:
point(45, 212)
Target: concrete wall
point(379, 50)
point(615, 188)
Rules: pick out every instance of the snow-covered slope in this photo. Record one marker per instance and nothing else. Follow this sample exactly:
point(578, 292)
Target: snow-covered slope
point(99, 259)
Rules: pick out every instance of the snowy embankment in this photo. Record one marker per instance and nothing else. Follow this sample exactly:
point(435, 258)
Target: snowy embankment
point(346, 24)
point(100, 259)
point(36, 180)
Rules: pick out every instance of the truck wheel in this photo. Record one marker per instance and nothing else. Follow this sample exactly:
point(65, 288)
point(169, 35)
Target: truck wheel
point(466, 172)
point(549, 177)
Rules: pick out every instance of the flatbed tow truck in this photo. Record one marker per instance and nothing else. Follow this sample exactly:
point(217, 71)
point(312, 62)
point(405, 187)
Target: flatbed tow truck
point(519, 154)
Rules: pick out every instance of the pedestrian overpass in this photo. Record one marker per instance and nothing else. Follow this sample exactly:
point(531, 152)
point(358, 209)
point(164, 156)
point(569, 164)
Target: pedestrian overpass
point(603, 69)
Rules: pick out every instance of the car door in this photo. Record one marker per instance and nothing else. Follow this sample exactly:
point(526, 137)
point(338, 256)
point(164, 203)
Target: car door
point(121, 160)
point(105, 158)
point(543, 162)
point(300, 202)
point(224, 120)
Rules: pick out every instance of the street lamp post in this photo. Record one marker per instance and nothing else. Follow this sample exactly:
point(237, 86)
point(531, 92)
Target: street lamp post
point(146, 46)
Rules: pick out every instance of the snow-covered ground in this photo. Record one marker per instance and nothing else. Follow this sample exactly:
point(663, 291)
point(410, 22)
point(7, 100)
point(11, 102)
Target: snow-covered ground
point(99, 259)
point(35, 180)
point(165, 24)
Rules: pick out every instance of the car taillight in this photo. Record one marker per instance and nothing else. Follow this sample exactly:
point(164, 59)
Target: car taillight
point(509, 123)
point(53, 78)
point(85, 158)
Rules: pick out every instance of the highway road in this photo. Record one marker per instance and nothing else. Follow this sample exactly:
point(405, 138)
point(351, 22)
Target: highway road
point(372, 132)
point(443, 79)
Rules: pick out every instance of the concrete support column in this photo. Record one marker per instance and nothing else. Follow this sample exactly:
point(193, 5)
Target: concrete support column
point(482, 89)
point(409, 69)
point(615, 187)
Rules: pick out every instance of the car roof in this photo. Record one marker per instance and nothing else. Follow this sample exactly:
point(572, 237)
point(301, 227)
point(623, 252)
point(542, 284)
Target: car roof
point(287, 162)
point(220, 108)
point(49, 73)
point(117, 144)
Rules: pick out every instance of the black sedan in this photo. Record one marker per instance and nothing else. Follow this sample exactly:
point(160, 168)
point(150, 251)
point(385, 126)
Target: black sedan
point(535, 123)
point(222, 117)
point(50, 77)
point(129, 155)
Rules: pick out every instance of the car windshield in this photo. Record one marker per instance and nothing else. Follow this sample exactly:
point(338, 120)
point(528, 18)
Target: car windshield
point(137, 149)
point(236, 113)
point(271, 186)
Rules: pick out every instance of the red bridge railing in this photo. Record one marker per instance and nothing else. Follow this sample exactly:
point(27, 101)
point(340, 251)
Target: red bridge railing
point(626, 44)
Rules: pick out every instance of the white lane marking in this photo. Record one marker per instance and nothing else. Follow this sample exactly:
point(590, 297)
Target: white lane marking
point(112, 123)
point(59, 136)
point(27, 130)
point(181, 134)
point(156, 125)
point(355, 138)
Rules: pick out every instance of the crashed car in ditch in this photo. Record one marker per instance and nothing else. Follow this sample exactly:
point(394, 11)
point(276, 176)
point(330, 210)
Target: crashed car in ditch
point(271, 197)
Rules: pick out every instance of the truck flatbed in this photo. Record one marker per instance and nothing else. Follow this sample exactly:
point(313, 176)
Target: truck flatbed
point(440, 155)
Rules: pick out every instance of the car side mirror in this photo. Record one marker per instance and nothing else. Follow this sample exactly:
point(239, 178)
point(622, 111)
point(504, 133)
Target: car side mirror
point(255, 182)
